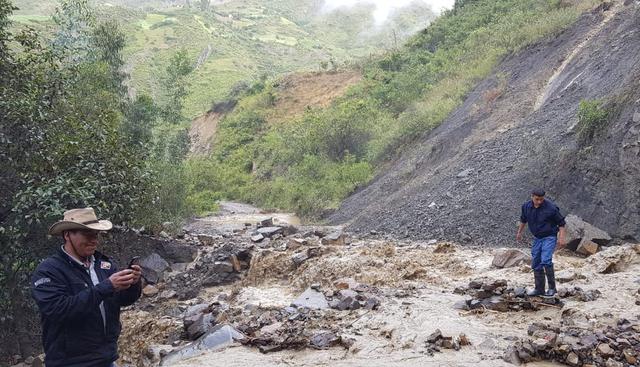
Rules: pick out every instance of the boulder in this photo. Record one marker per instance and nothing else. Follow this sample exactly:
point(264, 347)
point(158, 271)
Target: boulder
point(615, 258)
point(565, 276)
point(257, 237)
point(577, 229)
point(153, 268)
point(587, 247)
point(506, 258)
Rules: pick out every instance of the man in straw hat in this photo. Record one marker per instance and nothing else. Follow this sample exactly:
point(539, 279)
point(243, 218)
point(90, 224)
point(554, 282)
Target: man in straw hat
point(79, 293)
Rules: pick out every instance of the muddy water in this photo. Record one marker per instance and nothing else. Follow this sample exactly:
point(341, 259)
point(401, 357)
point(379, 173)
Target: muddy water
point(233, 216)
point(395, 335)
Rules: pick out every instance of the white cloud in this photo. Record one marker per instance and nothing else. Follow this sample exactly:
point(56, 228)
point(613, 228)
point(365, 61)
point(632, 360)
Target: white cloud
point(384, 7)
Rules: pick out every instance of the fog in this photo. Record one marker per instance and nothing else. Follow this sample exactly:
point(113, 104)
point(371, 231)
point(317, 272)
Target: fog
point(385, 7)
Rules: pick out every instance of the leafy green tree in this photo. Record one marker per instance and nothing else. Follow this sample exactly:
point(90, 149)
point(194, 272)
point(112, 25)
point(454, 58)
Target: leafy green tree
point(175, 84)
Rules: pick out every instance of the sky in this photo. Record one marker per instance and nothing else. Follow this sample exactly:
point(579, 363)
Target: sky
point(384, 7)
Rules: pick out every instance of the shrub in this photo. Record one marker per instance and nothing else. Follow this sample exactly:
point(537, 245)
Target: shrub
point(592, 118)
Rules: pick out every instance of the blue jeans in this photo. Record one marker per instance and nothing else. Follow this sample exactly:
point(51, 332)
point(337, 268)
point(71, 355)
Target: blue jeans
point(542, 252)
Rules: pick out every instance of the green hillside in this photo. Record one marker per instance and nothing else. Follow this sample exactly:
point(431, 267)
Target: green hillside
point(239, 40)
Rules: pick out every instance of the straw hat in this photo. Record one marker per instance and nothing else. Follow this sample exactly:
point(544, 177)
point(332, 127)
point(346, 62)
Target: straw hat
point(84, 218)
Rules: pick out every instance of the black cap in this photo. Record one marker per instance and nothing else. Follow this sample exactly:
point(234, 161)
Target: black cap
point(537, 192)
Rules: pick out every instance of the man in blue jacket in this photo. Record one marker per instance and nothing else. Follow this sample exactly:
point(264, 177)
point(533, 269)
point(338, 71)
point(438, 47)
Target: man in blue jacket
point(79, 293)
point(545, 221)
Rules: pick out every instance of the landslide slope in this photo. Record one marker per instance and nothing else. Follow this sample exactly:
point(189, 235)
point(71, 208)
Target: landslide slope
point(517, 129)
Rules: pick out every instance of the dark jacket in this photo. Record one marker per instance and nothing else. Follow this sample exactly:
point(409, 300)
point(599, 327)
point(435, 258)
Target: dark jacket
point(73, 332)
point(543, 221)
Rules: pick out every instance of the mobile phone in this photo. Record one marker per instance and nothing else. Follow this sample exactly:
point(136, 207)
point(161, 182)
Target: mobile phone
point(134, 261)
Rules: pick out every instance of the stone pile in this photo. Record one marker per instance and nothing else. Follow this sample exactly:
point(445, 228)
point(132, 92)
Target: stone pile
point(496, 295)
point(613, 346)
point(436, 341)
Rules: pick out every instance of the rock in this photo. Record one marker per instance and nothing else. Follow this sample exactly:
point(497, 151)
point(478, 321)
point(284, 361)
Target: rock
point(573, 359)
point(219, 267)
point(615, 258)
point(511, 356)
point(565, 276)
point(168, 294)
point(202, 325)
point(577, 229)
point(271, 329)
point(217, 338)
point(506, 258)
point(630, 356)
point(463, 340)
point(334, 239)
point(153, 268)
point(196, 309)
point(541, 344)
point(465, 173)
point(372, 303)
point(461, 305)
point(613, 363)
point(257, 237)
point(587, 247)
point(265, 223)
point(208, 240)
point(299, 258)
point(520, 292)
point(605, 350)
point(269, 231)
point(324, 340)
point(435, 336)
point(475, 284)
point(150, 291)
point(311, 299)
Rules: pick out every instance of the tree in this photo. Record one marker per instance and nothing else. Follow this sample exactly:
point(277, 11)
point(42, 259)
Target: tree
point(175, 84)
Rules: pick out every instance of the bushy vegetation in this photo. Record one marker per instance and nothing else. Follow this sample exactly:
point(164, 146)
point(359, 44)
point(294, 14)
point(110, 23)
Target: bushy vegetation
point(70, 137)
point(592, 118)
point(313, 162)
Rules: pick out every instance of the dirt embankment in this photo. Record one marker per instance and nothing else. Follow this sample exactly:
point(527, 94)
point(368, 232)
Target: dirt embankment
point(466, 180)
point(295, 93)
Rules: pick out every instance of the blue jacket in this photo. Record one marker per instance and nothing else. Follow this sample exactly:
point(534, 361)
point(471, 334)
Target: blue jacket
point(543, 221)
point(73, 331)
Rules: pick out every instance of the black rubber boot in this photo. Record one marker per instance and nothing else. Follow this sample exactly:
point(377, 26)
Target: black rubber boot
point(539, 279)
point(551, 281)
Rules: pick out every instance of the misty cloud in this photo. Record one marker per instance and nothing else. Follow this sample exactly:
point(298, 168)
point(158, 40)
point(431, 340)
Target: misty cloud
point(384, 7)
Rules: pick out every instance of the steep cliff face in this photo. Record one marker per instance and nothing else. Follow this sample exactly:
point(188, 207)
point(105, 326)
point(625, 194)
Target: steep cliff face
point(517, 129)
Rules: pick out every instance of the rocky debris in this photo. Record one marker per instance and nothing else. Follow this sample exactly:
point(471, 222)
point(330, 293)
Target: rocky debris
point(567, 275)
point(506, 258)
point(583, 237)
point(436, 340)
point(579, 293)
point(217, 338)
point(257, 237)
point(497, 296)
point(265, 223)
point(579, 346)
point(153, 268)
point(351, 295)
point(615, 259)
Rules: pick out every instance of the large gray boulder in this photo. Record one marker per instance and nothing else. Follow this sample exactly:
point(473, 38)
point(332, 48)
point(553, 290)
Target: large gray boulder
point(579, 230)
point(153, 268)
